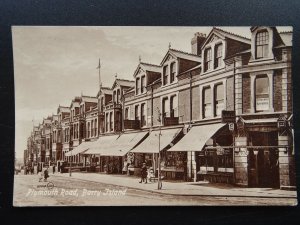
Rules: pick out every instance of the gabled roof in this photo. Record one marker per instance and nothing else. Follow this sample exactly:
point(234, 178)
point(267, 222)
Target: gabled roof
point(147, 67)
point(54, 117)
point(287, 37)
point(74, 103)
point(88, 99)
point(225, 34)
point(105, 90)
point(63, 109)
point(46, 121)
point(123, 82)
point(181, 54)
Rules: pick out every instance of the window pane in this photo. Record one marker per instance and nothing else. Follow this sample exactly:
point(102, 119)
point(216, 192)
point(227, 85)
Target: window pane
point(220, 92)
point(207, 95)
point(207, 110)
point(262, 93)
point(262, 85)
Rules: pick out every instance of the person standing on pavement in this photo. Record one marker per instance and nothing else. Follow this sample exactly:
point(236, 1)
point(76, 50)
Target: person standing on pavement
point(46, 174)
point(144, 173)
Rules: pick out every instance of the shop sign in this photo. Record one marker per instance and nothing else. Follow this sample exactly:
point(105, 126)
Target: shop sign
point(281, 122)
point(231, 126)
point(228, 116)
point(262, 103)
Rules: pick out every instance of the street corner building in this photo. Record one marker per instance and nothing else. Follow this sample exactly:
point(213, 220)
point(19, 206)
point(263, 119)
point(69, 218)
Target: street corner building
point(222, 113)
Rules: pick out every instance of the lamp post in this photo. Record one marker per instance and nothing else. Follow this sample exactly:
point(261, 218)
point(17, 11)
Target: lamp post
point(159, 182)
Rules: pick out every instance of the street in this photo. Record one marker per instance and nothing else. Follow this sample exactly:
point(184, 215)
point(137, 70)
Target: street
point(69, 191)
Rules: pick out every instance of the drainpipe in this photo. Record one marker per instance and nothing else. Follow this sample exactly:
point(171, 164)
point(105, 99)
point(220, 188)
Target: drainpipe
point(151, 105)
point(191, 118)
point(233, 132)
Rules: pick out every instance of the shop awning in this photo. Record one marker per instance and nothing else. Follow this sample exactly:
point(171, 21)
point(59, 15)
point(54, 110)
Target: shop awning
point(150, 144)
point(124, 144)
point(101, 145)
point(196, 138)
point(80, 148)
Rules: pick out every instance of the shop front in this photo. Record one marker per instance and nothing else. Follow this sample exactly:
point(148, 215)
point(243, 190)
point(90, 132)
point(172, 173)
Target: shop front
point(157, 143)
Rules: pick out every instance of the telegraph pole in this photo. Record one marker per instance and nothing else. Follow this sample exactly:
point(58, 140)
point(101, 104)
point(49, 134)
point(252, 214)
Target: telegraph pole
point(159, 182)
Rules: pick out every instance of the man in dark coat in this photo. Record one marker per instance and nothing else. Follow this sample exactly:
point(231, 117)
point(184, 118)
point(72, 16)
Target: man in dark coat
point(46, 174)
point(144, 173)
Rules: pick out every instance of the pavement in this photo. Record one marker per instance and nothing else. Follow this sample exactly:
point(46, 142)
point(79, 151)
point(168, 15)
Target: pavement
point(181, 188)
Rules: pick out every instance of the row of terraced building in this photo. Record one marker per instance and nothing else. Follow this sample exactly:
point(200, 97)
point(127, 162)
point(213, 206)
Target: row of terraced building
point(221, 113)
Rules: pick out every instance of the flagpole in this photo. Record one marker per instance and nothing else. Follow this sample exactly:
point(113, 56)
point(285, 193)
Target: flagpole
point(99, 67)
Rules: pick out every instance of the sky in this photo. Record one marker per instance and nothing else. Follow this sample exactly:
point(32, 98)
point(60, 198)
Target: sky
point(52, 65)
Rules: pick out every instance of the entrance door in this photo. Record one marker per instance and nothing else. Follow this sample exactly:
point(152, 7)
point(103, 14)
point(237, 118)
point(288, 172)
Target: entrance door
point(263, 168)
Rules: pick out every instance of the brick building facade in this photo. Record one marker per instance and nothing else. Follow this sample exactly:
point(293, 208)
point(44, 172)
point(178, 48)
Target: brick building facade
point(176, 108)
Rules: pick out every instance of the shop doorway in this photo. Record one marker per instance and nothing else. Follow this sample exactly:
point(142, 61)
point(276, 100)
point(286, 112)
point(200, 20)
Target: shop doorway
point(263, 166)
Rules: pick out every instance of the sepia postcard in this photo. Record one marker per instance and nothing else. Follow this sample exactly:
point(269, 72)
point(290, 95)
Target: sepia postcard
point(143, 116)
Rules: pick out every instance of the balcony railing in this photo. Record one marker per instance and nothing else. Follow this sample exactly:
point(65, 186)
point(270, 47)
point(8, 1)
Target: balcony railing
point(170, 121)
point(132, 124)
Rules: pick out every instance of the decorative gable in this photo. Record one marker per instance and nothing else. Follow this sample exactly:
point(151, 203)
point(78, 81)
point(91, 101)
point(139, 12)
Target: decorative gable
point(170, 57)
point(213, 38)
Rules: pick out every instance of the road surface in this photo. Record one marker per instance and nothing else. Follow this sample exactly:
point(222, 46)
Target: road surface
point(66, 191)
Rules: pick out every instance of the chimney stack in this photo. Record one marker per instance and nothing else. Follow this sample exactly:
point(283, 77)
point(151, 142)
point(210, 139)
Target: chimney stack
point(197, 42)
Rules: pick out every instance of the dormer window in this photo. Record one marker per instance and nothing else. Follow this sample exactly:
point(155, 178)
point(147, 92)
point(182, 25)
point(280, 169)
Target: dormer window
point(262, 44)
point(165, 75)
point(137, 85)
point(143, 84)
point(218, 55)
point(207, 59)
point(173, 71)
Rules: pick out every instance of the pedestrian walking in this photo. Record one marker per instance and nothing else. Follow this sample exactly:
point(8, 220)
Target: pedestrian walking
point(144, 173)
point(46, 174)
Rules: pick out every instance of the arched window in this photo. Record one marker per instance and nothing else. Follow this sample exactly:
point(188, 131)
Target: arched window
point(262, 44)
point(207, 59)
point(262, 97)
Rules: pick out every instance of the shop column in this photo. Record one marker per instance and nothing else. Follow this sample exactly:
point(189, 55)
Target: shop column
point(191, 166)
point(286, 163)
point(241, 162)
